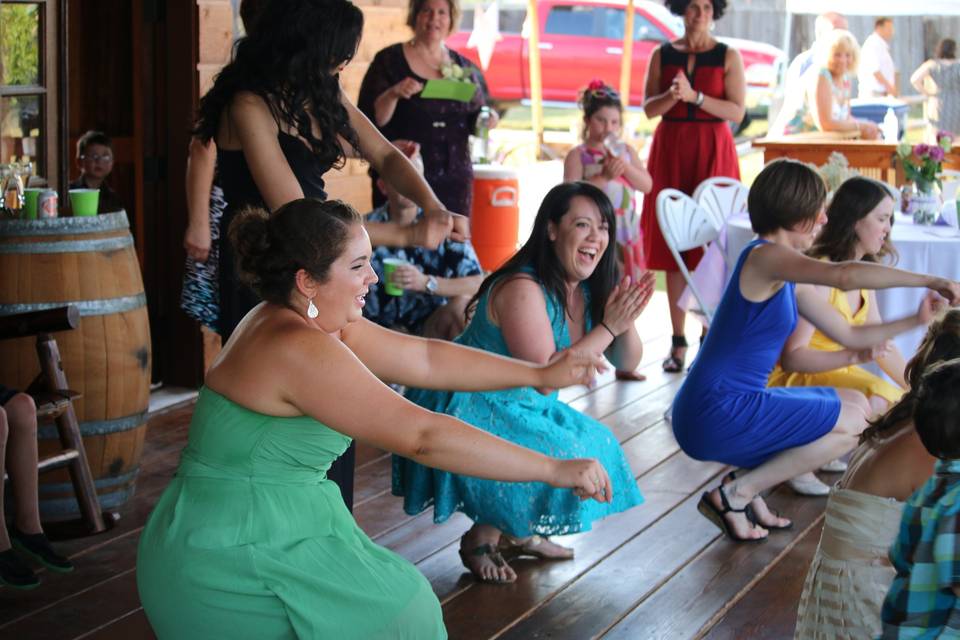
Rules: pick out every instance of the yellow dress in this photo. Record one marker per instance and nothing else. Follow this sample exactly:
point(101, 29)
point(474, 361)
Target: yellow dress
point(852, 377)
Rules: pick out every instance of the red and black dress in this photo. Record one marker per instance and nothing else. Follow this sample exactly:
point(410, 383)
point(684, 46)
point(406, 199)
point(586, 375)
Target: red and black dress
point(689, 146)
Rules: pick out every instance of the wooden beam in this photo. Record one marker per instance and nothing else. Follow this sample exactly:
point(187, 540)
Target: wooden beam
point(536, 81)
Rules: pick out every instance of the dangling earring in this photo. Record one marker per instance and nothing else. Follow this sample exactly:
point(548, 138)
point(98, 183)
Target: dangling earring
point(312, 311)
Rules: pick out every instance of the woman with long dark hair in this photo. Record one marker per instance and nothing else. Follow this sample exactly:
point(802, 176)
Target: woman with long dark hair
point(281, 121)
point(558, 292)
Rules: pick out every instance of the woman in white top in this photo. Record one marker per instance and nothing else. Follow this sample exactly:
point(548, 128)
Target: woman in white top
point(825, 102)
point(939, 80)
point(850, 573)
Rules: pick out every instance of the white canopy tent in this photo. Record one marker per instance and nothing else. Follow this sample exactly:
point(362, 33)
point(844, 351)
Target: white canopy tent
point(868, 8)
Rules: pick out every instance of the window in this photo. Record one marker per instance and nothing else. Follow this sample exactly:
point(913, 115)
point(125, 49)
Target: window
point(612, 22)
point(572, 21)
point(30, 115)
point(511, 20)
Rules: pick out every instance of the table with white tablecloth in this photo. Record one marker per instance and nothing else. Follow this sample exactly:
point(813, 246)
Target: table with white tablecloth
point(923, 249)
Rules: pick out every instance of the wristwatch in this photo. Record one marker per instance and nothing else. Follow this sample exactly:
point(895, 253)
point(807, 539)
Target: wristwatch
point(431, 285)
point(699, 101)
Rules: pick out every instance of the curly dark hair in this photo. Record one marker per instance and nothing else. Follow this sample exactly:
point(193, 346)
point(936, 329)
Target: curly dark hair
point(287, 60)
point(538, 254)
point(677, 7)
point(942, 342)
point(307, 234)
point(853, 200)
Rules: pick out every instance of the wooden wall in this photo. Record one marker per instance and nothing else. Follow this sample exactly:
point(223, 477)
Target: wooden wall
point(383, 25)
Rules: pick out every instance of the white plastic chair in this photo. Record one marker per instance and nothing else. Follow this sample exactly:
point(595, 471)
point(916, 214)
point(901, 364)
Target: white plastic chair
point(725, 197)
point(686, 225)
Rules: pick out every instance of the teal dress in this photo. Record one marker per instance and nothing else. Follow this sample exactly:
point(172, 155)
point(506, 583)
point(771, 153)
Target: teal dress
point(528, 418)
point(250, 540)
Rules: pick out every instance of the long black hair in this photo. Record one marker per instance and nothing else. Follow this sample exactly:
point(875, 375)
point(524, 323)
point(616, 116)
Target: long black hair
point(538, 253)
point(288, 61)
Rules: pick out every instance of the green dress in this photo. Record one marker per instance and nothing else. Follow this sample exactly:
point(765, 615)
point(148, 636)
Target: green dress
point(250, 540)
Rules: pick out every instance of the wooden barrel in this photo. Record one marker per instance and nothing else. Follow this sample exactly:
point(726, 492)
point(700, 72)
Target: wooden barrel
point(91, 263)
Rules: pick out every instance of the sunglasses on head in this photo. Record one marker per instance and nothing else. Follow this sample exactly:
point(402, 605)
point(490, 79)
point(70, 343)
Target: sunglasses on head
point(604, 92)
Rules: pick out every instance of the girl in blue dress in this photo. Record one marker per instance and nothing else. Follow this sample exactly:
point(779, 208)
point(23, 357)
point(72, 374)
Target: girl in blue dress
point(724, 410)
point(558, 291)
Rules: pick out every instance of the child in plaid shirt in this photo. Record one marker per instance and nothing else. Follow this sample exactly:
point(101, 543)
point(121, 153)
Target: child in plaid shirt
point(923, 598)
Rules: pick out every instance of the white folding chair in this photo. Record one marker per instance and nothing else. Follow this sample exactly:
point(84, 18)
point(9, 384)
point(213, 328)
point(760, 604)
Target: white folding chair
point(686, 225)
point(951, 184)
point(725, 197)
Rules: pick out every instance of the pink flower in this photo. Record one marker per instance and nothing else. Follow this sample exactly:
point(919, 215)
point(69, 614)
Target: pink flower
point(596, 84)
point(944, 134)
point(936, 154)
point(921, 150)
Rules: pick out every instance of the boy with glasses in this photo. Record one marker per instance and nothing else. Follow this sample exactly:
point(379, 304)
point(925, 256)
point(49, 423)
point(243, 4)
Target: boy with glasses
point(95, 161)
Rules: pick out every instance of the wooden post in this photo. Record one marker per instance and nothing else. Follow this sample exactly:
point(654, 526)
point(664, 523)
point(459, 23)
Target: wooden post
point(626, 59)
point(536, 82)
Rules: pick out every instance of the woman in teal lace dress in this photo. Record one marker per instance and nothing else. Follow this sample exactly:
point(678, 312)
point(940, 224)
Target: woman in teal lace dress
point(250, 539)
point(558, 291)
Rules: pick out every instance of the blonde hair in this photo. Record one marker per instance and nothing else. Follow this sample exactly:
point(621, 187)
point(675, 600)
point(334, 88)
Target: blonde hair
point(839, 39)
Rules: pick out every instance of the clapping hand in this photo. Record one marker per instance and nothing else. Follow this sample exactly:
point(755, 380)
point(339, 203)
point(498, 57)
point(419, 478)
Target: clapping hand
point(570, 367)
point(627, 301)
point(680, 88)
point(436, 225)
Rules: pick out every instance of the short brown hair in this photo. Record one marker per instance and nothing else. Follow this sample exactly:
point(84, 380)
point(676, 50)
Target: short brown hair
point(882, 20)
point(785, 194)
point(93, 137)
point(946, 49)
point(417, 5)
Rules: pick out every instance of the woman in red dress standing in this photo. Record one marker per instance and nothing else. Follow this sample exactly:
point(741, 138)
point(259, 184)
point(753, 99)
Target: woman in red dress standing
point(696, 83)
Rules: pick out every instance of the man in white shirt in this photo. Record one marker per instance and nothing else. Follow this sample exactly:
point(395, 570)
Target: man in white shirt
point(877, 75)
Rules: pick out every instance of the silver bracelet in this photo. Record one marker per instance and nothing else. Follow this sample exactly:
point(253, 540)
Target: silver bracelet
point(699, 101)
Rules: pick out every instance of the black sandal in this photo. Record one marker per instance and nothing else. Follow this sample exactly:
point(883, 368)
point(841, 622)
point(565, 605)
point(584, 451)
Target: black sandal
point(479, 552)
point(714, 515)
point(674, 363)
point(730, 477)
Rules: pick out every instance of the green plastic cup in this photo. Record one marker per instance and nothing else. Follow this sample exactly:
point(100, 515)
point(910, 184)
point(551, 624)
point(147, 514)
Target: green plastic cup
point(389, 267)
point(84, 202)
point(30, 198)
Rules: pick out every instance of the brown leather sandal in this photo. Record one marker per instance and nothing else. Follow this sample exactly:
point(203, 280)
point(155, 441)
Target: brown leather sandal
point(474, 558)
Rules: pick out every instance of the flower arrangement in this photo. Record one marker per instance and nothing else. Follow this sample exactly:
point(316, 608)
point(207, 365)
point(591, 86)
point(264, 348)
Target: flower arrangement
point(453, 71)
point(923, 163)
point(836, 171)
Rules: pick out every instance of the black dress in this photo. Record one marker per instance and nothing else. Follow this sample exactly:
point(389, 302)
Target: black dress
point(236, 299)
point(442, 127)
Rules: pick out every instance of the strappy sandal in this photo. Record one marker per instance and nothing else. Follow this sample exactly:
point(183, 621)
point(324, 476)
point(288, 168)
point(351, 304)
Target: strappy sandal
point(716, 516)
point(730, 477)
point(530, 547)
point(484, 553)
point(674, 363)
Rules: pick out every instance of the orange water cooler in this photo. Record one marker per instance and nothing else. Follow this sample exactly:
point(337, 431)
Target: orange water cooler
point(495, 219)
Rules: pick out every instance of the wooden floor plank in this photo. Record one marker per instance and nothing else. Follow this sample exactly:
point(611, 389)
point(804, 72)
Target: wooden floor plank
point(769, 610)
point(133, 626)
point(706, 585)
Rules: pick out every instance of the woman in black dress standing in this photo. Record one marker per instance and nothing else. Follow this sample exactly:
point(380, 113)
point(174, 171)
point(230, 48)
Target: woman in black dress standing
point(280, 121)
point(389, 96)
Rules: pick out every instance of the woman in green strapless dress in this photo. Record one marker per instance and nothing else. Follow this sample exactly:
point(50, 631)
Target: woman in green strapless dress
point(250, 540)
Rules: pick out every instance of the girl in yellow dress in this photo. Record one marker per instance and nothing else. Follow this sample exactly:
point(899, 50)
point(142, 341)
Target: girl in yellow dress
point(858, 225)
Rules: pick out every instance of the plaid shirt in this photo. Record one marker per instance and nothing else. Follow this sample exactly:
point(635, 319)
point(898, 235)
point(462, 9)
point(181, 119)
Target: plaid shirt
point(926, 555)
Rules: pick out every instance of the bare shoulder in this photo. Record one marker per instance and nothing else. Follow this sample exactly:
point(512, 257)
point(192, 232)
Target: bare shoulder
point(515, 291)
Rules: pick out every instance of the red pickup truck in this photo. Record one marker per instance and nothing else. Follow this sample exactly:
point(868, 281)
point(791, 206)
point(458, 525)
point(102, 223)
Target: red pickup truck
point(583, 39)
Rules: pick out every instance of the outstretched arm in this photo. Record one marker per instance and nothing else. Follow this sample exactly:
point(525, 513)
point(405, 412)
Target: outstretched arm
point(327, 381)
point(439, 364)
